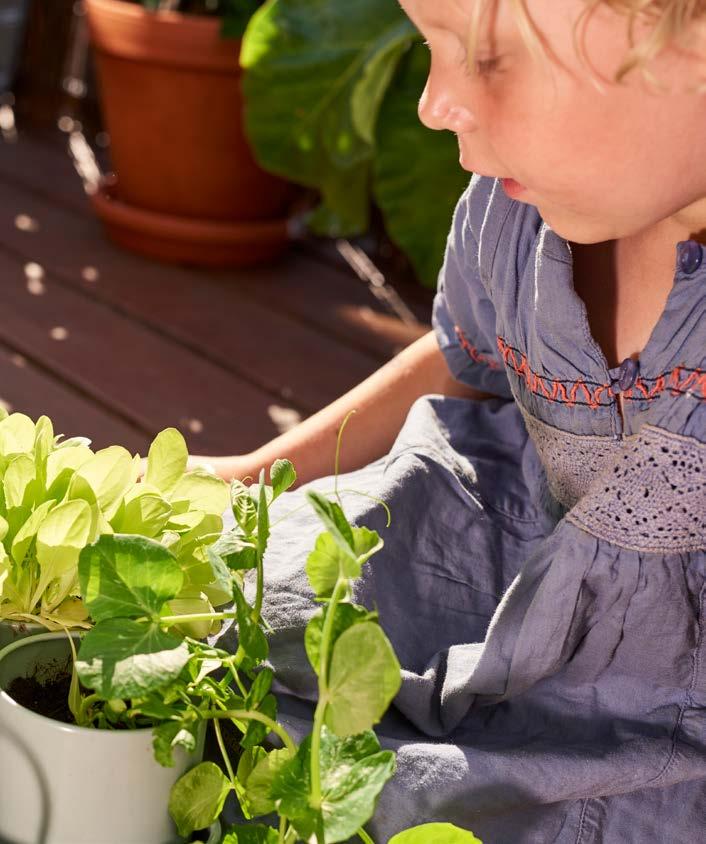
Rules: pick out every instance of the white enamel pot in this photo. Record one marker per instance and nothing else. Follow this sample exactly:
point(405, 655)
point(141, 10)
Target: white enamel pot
point(61, 784)
point(11, 631)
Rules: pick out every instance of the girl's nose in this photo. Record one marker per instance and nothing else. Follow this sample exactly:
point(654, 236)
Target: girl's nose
point(440, 110)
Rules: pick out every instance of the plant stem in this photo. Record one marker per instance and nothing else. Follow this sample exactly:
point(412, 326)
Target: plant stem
point(224, 752)
point(250, 715)
point(322, 703)
point(282, 830)
point(364, 837)
point(170, 620)
point(338, 455)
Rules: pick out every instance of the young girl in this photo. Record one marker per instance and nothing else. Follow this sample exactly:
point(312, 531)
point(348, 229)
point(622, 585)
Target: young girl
point(543, 451)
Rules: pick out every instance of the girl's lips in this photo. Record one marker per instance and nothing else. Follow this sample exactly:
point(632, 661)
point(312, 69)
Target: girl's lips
point(512, 188)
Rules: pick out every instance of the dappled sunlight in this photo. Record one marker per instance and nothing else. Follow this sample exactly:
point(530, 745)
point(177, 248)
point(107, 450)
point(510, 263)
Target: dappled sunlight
point(59, 333)
point(34, 273)
point(283, 418)
point(90, 274)
point(26, 223)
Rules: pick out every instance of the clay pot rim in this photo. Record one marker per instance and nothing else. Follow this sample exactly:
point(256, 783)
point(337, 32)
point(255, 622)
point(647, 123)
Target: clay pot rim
point(115, 211)
point(129, 31)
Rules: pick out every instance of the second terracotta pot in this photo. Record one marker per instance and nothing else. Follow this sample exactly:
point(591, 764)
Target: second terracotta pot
point(172, 102)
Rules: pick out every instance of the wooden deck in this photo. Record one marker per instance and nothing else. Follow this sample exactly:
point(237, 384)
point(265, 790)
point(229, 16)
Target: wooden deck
point(116, 347)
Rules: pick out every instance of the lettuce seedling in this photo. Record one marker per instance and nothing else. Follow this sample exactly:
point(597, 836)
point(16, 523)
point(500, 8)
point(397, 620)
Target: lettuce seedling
point(58, 497)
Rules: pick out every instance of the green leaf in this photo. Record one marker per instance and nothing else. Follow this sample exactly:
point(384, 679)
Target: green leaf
point(127, 576)
point(328, 560)
point(17, 434)
point(203, 491)
point(255, 834)
point(125, 658)
point(244, 510)
point(17, 482)
point(258, 783)
point(256, 731)
point(108, 474)
point(371, 87)
point(166, 460)
point(235, 551)
point(27, 533)
point(145, 512)
point(282, 475)
point(417, 202)
point(263, 518)
point(353, 772)
point(334, 520)
point(363, 679)
point(438, 833)
point(304, 59)
point(60, 538)
point(197, 798)
point(61, 465)
point(346, 616)
point(166, 737)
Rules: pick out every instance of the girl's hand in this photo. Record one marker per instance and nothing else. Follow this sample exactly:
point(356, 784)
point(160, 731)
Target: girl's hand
point(235, 466)
point(229, 467)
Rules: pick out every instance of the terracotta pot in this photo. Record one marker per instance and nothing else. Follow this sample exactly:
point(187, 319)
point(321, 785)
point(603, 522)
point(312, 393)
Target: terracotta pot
point(172, 102)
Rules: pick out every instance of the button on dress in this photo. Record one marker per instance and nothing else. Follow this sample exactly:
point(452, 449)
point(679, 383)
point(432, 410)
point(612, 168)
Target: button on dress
point(543, 579)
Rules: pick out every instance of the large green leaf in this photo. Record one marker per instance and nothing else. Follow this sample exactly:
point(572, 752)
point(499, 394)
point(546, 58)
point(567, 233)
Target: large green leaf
point(198, 797)
point(363, 679)
point(108, 474)
point(166, 461)
point(258, 784)
point(203, 491)
point(121, 658)
point(435, 833)
point(353, 772)
point(127, 577)
point(346, 616)
point(305, 60)
point(417, 201)
point(17, 434)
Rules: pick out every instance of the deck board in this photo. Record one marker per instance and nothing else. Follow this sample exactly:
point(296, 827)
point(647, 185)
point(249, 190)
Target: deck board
point(225, 356)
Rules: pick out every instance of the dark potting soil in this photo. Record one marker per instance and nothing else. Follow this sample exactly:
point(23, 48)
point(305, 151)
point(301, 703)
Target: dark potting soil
point(50, 698)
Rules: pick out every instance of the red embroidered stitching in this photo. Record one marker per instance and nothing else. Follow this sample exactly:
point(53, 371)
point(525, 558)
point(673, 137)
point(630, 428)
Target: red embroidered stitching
point(557, 390)
point(679, 381)
point(694, 381)
point(472, 352)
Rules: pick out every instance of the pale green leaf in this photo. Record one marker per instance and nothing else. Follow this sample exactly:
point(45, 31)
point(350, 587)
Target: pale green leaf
point(108, 474)
point(438, 833)
point(17, 433)
point(282, 475)
point(353, 772)
point(167, 459)
point(197, 798)
point(203, 491)
point(128, 576)
point(17, 481)
point(124, 658)
point(363, 679)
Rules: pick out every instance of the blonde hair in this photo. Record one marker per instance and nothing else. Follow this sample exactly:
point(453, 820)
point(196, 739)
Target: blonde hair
point(670, 20)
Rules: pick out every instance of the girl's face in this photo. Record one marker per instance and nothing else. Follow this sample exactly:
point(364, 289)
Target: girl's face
point(598, 165)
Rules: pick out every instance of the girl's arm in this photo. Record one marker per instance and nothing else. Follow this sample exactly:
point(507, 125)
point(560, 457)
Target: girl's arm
point(381, 402)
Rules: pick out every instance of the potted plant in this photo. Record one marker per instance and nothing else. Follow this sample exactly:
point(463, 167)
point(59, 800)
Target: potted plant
point(13, 19)
point(186, 185)
point(137, 665)
point(331, 92)
point(58, 497)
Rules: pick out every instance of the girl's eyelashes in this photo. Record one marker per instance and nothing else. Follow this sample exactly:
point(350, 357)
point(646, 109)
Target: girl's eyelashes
point(483, 67)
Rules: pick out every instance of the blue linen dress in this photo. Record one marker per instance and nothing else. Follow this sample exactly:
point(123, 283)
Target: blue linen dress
point(543, 581)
